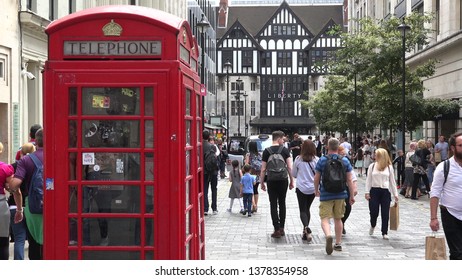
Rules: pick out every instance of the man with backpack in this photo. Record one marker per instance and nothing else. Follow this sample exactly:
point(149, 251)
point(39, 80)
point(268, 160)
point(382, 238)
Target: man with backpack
point(210, 171)
point(30, 170)
point(446, 192)
point(333, 174)
point(277, 166)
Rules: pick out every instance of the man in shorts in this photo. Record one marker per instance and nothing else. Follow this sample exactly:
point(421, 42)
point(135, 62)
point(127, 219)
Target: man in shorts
point(332, 205)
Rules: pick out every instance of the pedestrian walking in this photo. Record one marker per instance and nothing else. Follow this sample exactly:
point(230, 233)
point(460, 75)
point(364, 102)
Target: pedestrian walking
point(332, 205)
point(234, 190)
point(303, 170)
point(246, 190)
point(380, 187)
point(277, 166)
point(446, 193)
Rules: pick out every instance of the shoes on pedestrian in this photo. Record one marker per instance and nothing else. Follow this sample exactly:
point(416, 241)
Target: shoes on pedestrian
point(206, 213)
point(281, 230)
point(338, 247)
point(249, 215)
point(343, 230)
point(329, 248)
point(414, 198)
point(371, 231)
point(215, 212)
point(385, 236)
point(243, 212)
point(309, 238)
point(228, 210)
point(276, 234)
point(104, 241)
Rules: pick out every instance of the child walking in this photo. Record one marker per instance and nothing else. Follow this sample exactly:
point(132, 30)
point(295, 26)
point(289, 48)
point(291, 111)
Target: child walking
point(359, 162)
point(234, 191)
point(247, 183)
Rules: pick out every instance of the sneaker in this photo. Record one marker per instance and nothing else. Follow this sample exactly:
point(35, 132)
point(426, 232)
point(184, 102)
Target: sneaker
point(343, 231)
point(243, 212)
point(338, 247)
point(329, 248)
point(250, 215)
point(281, 230)
point(276, 234)
point(104, 241)
point(309, 238)
point(206, 213)
point(371, 231)
point(215, 212)
point(386, 237)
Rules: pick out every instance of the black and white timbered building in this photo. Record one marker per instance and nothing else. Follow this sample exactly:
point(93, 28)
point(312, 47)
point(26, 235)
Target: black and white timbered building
point(278, 56)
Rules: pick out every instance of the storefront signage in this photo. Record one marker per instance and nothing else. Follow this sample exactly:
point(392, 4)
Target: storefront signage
point(112, 48)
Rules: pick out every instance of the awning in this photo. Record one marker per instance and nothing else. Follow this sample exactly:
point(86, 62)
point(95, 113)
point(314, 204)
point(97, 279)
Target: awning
point(282, 121)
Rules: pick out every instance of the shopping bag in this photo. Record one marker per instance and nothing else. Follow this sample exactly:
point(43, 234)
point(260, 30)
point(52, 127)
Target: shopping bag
point(394, 217)
point(437, 157)
point(435, 247)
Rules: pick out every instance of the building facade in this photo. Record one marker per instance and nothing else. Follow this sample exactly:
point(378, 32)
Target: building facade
point(445, 45)
point(277, 53)
point(23, 52)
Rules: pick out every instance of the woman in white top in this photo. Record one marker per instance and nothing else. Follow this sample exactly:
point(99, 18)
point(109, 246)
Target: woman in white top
point(408, 171)
point(304, 169)
point(380, 186)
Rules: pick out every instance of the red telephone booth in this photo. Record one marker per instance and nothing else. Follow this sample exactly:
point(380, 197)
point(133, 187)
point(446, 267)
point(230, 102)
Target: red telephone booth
point(122, 109)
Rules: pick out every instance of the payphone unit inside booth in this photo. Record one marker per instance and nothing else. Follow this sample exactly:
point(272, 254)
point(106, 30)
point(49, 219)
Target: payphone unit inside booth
point(122, 114)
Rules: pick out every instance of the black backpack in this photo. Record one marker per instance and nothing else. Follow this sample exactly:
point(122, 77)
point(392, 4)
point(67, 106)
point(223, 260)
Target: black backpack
point(334, 175)
point(210, 161)
point(276, 167)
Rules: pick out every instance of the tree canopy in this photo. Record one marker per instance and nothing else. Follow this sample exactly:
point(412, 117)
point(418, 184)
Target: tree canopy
point(373, 58)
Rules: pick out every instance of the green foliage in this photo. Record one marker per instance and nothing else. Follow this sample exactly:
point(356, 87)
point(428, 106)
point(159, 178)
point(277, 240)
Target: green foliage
point(374, 57)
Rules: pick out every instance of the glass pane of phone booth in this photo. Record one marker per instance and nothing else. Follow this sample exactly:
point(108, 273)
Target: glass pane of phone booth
point(111, 189)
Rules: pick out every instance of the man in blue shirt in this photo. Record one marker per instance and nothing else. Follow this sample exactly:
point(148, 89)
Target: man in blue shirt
point(442, 147)
point(332, 205)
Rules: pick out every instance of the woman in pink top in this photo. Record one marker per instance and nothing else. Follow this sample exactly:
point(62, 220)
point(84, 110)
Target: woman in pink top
point(6, 174)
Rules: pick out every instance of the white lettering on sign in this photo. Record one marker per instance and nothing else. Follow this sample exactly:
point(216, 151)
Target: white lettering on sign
point(117, 48)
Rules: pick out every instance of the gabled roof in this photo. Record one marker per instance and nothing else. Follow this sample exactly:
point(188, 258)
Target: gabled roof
point(254, 18)
point(237, 24)
point(323, 33)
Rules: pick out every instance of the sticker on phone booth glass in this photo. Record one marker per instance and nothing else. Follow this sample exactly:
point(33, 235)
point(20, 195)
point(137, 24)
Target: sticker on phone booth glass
point(119, 166)
point(88, 158)
point(101, 101)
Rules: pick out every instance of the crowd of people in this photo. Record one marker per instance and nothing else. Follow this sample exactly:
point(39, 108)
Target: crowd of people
point(388, 171)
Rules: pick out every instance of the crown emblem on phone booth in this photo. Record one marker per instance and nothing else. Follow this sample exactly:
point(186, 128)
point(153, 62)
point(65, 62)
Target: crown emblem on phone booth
point(112, 29)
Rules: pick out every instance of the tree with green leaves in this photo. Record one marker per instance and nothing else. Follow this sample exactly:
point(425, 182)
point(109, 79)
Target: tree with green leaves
point(366, 74)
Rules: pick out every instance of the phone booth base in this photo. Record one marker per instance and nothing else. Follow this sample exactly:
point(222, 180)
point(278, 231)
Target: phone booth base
point(122, 111)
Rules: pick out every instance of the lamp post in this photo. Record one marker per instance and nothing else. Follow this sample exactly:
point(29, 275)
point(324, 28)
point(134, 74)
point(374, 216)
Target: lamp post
point(355, 144)
point(238, 99)
point(228, 68)
point(245, 113)
point(202, 27)
point(404, 28)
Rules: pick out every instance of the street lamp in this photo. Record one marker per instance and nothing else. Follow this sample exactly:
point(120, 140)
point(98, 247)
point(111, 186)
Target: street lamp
point(228, 68)
point(245, 113)
point(202, 27)
point(404, 28)
point(238, 99)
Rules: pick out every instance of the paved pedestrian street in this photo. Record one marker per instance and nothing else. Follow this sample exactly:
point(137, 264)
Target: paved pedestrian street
point(232, 236)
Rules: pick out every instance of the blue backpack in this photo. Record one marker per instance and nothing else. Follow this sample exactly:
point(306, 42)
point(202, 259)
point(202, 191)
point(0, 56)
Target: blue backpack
point(35, 195)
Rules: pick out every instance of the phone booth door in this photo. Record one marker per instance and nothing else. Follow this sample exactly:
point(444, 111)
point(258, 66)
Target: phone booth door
point(108, 172)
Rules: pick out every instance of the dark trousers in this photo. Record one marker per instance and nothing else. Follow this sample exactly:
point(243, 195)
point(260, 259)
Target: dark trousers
point(453, 232)
point(247, 198)
point(415, 184)
point(347, 210)
point(304, 204)
point(35, 249)
point(400, 180)
point(4, 248)
point(380, 198)
point(213, 180)
point(277, 191)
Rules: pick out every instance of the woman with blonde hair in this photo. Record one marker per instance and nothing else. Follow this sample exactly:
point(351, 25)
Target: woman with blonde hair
point(380, 186)
point(408, 171)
